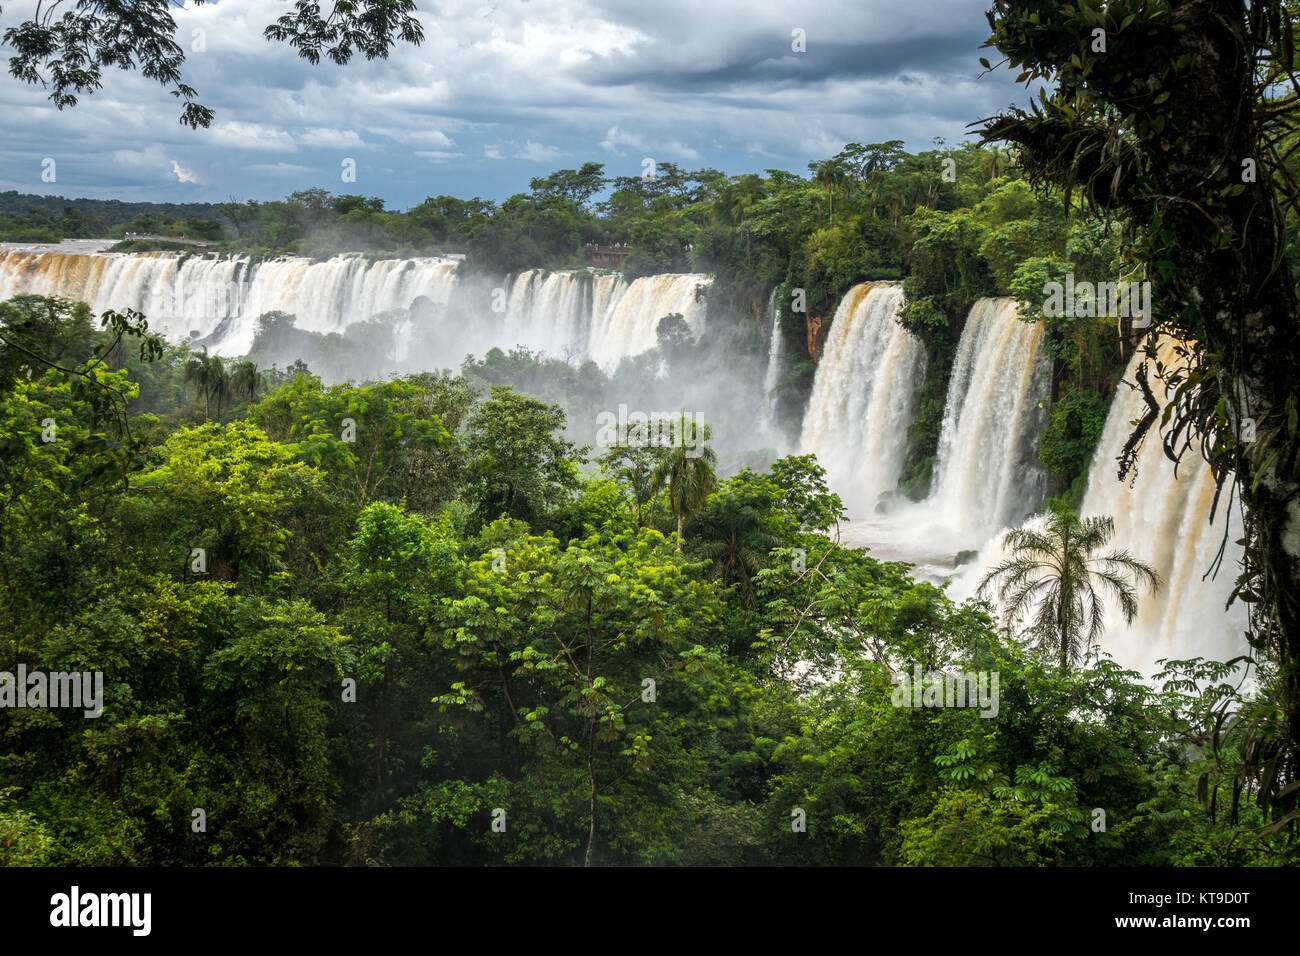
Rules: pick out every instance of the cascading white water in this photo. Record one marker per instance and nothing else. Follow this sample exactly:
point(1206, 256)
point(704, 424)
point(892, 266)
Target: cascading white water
point(1164, 520)
point(606, 288)
point(864, 395)
point(220, 299)
point(217, 301)
point(987, 473)
point(549, 312)
point(519, 307)
point(629, 322)
point(776, 368)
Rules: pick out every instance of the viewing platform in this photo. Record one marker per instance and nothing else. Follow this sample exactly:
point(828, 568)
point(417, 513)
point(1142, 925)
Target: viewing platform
point(608, 257)
point(140, 236)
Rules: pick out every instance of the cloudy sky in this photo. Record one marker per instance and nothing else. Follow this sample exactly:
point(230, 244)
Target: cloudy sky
point(504, 90)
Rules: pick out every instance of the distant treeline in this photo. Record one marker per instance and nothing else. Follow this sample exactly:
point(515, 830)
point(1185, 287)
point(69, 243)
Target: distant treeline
point(28, 218)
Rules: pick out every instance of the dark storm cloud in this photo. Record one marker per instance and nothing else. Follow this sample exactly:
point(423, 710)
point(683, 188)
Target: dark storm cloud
point(755, 64)
point(504, 90)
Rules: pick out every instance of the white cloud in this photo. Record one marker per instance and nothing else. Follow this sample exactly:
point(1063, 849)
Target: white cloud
point(674, 148)
point(616, 138)
point(330, 138)
point(530, 151)
point(182, 174)
point(150, 156)
point(423, 138)
point(234, 134)
point(538, 153)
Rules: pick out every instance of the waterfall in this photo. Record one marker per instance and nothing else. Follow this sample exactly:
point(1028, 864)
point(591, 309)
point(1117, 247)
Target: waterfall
point(216, 302)
point(776, 368)
point(864, 395)
point(629, 322)
point(987, 474)
point(1164, 520)
point(519, 308)
point(549, 312)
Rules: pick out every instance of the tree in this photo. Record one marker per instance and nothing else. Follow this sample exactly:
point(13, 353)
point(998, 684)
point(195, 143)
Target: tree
point(374, 441)
point(32, 326)
point(246, 380)
point(558, 648)
point(632, 466)
point(239, 215)
point(994, 161)
point(831, 175)
point(739, 197)
point(1151, 123)
point(730, 532)
point(227, 489)
point(869, 164)
point(395, 567)
point(804, 494)
point(211, 381)
point(518, 464)
point(572, 186)
point(68, 53)
point(689, 474)
point(673, 335)
point(1050, 573)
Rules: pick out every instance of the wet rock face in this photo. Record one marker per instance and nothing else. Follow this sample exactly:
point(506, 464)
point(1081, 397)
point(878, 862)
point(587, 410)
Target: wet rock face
point(816, 336)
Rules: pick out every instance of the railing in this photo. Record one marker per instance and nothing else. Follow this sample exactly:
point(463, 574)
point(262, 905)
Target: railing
point(607, 255)
point(138, 236)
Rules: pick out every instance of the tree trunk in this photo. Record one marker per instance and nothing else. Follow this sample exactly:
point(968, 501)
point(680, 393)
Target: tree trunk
point(591, 784)
point(382, 736)
point(1062, 609)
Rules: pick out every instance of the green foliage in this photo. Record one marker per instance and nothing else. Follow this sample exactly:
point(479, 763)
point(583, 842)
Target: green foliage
point(421, 609)
point(23, 841)
point(516, 465)
point(1073, 430)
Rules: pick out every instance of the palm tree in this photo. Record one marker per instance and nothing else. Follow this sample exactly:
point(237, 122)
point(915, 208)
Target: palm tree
point(737, 201)
point(196, 374)
point(995, 162)
point(1050, 573)
point(868, 165)
point(208, 375)
point(631, 467)
point(739, 198)
point(831, 175)
point(688, 473)
point(731, 534)
point(246, 380)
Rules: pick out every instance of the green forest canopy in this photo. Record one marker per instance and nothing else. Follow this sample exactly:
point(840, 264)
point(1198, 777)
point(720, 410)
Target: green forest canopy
point(374, 655)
